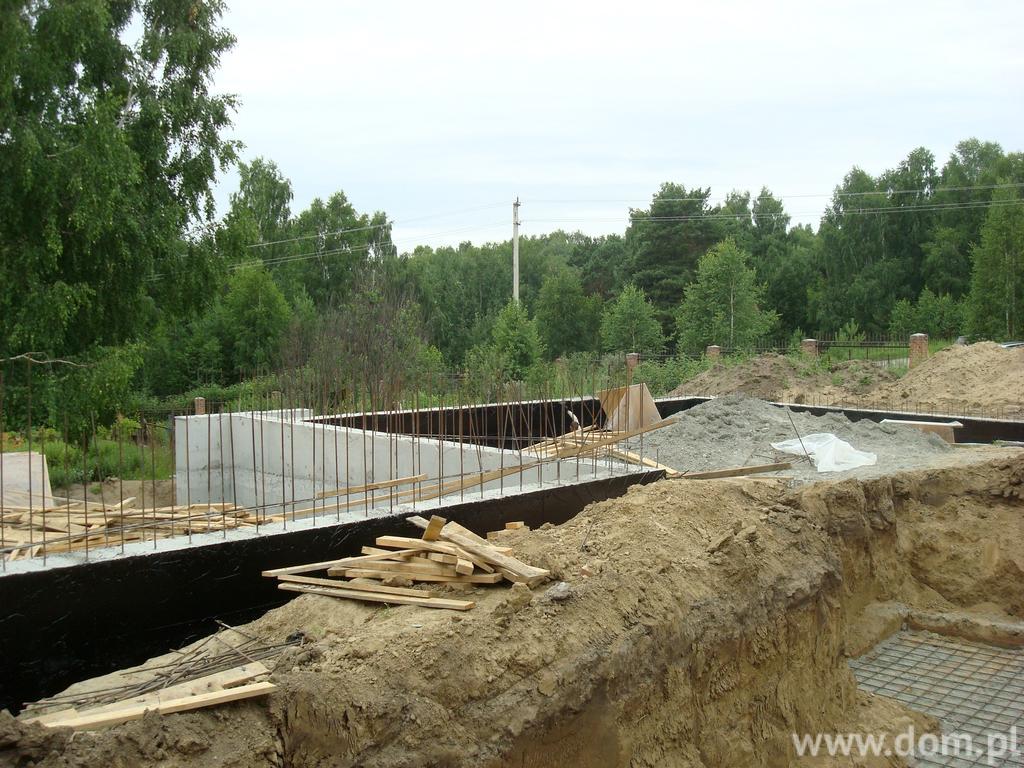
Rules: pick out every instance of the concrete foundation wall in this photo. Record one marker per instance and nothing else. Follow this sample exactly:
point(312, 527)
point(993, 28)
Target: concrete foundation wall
point(279, 461)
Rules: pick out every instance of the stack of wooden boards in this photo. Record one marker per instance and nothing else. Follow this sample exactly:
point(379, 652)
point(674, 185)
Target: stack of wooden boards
point(592, 442)
point(447, 553)
point(68, 525)
point(244, 682)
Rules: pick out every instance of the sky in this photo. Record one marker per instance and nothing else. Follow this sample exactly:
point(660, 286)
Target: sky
point(441, 114)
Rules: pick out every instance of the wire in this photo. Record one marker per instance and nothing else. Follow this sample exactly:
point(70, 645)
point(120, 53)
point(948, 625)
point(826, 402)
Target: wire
point(277, 261)
point(929, 190)
point(388, 223)
point(751, 214)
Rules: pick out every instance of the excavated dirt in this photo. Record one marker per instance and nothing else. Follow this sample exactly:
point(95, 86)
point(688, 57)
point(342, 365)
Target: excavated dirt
point(980, 379)
point(981, 376)
point(701, 624)
point(787, 378)
point(735, 430)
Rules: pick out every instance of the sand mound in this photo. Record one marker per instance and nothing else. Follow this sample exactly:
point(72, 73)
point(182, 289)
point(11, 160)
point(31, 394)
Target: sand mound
point(976, 378)
point(735, 430)
point(702, 624)
point(766, 377)
point(980, 379)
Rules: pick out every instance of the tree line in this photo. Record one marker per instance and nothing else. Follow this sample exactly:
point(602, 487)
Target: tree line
point(112, 253)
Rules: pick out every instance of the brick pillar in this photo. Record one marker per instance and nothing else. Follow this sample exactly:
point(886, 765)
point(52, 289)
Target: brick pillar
point(809, 347)
point(918, 348)
point(200, 404)
point(713, 351)
point(632, 361)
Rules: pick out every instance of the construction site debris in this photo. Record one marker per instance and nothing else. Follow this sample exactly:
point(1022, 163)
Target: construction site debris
point(71, 525)
point(453, 555)
point(227, 666)
point(655, 656)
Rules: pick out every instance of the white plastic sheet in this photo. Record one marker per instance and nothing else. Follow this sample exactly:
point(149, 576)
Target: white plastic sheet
point(828, 452)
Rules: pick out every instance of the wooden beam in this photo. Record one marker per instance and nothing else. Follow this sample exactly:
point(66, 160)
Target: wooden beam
point(306, 568)
point(372, 486)
point(359, 585)
point(636, 458)
point(736, 471)
point(136, 711)
point(433, 531)
point(373, 597)
point(371, 573)
point(513, 569)
point(618, 437)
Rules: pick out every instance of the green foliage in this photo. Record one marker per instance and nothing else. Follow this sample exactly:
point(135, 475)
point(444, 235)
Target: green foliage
point(995, 307)
point(668, 238)
point(568, 320)
point(850, 333)
point(516, 341)
point(109, 153)
point(252, 320)
point(723, 305)
point(664, 376)
point(96, 392)
point(630, 324)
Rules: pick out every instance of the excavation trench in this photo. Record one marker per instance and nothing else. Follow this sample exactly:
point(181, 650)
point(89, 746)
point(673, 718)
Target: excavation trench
point(703, 624)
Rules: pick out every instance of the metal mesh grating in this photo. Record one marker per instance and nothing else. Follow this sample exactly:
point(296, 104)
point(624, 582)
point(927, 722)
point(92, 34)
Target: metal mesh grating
point(971, 688)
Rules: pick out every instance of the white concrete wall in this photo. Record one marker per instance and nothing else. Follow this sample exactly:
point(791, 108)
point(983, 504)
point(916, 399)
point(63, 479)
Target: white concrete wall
point(26, 479)
point(280, 461)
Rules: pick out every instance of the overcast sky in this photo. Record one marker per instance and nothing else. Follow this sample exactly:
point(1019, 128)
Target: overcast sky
point(442, 113)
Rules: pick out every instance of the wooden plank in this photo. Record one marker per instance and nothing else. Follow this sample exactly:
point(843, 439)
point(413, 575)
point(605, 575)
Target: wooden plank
point(436, 546)
point(370, 573)
point(736, 471)
point(434, 526)
point(371, 486)
point(464, 567)
point(590, 447)
point(306, 568)
point(372, 597)
point(421, 523)
point(514, 525)
point(638, 459)
point(514, 569)
point(404, 568)
point(183, 704)
point(360, 585)
point(438, 557)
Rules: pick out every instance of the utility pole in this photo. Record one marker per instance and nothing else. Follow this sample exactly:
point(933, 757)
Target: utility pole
point(515, 250)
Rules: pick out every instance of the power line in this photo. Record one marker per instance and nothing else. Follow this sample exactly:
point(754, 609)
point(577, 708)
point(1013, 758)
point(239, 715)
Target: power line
point(388, 223)
point(750, 214)
point(925, 190)
point(277, 261)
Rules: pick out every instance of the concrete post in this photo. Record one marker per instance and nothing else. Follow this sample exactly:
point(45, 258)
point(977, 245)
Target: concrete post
point(713, 351)
point(809, 347)
point(918, 348)
point(200, 406)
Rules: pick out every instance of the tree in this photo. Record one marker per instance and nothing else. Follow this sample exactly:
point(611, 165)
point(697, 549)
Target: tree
point(516, 341)
point(722, 306)
point(568, 320)
point(630, 324)
point(667, 239)
point(253, 319)
point(108, 154)
point(996, 301)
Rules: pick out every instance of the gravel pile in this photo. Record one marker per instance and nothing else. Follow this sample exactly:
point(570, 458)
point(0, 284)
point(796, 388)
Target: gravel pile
point(735, 430)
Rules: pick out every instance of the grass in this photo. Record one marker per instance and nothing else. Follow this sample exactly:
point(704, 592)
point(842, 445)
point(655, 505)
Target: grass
point(69, 465)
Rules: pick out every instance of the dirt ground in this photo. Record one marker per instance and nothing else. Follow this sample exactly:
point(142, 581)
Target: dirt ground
point(980, 379)
point(701, 623)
